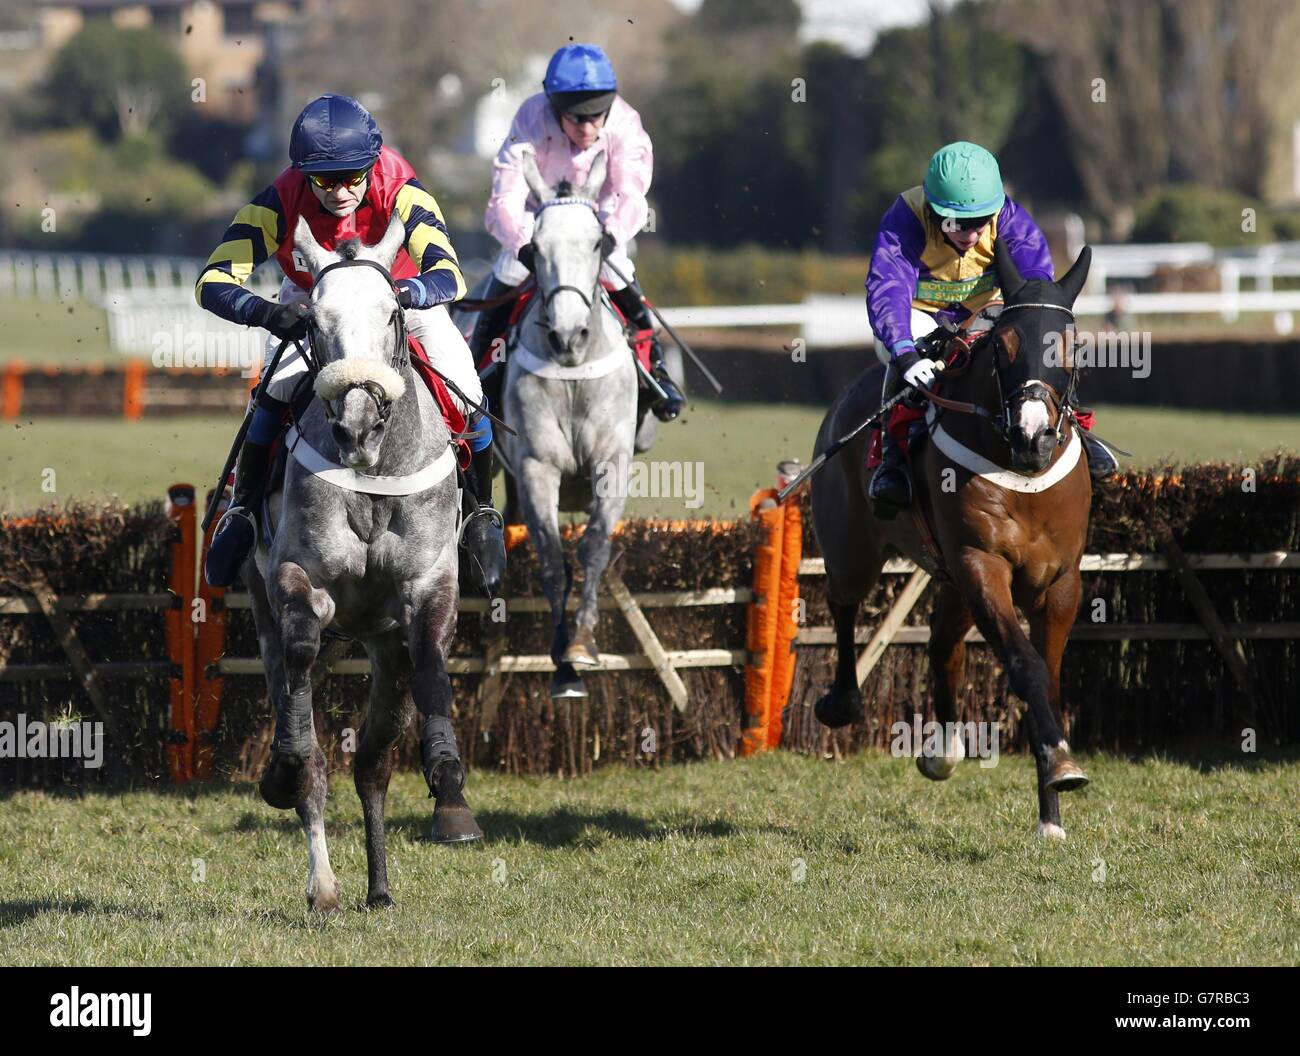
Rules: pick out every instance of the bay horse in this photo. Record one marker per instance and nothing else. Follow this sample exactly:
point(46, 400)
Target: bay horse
point(1002, 482)
point(364, 544)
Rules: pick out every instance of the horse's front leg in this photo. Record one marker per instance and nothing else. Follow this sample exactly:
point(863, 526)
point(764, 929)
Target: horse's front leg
point(593, 551)
point(539, 492)
point(949, 623)
point(1049, 630)
point(390, 698)
point(985, 580)
point(431, 623)
point(295, 776)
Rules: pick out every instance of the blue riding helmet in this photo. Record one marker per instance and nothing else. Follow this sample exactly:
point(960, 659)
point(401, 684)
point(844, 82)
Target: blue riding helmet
point(334, 133)
point(580, 79)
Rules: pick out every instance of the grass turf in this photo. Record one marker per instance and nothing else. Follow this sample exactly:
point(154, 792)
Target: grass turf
point(780, 859)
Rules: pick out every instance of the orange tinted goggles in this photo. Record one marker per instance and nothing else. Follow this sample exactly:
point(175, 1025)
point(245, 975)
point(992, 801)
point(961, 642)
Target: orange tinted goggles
point(327, 181)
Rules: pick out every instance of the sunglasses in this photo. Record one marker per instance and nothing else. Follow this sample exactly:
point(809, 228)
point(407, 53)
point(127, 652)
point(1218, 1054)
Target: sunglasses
point(327, 181)
point(584, 119)
point(973, 223)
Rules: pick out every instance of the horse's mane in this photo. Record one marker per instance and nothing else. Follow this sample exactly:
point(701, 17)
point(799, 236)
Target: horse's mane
point(564, 189)
point(349, 249)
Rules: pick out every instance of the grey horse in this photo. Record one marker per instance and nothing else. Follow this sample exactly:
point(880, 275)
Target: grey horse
point(364, 544)
point(571, 395)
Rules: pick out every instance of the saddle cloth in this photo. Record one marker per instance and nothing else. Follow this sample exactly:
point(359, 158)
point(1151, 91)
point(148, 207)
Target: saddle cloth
point(640, 339)
point(451, 412)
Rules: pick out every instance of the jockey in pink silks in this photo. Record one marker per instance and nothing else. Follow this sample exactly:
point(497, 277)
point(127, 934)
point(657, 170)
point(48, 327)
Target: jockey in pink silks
point(579, 115)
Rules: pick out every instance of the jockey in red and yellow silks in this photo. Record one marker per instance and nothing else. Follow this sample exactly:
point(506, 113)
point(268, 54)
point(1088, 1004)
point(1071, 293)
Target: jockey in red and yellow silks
point(347, 185)
point(933, 261)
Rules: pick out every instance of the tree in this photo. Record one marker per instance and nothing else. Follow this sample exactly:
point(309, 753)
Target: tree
point(119, 81)
point(1168, 90)
point(735, 137)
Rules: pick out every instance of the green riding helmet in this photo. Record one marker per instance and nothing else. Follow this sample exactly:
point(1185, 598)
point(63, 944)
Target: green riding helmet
point(964, 180)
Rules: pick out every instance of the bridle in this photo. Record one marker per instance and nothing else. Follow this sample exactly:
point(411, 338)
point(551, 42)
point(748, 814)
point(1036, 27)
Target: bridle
point(398, 359)
point(588, 298)
point(1034, 389)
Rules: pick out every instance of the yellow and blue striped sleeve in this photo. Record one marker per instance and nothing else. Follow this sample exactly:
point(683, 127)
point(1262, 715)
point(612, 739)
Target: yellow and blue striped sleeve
point(429, 244)
point(254, 234)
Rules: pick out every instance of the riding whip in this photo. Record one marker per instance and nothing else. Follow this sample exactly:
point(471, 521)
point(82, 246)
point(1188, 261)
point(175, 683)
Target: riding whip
point(844, 440)
point(717, 385)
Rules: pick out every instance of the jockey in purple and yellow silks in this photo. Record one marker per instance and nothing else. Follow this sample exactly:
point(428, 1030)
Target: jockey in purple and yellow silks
point(934, 261)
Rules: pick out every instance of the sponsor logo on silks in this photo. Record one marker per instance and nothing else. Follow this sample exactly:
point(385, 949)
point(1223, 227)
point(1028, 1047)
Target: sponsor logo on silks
point(954, 292)
point(76, 1009)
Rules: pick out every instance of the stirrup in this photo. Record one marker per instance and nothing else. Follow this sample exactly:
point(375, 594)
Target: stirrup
point(237, 511)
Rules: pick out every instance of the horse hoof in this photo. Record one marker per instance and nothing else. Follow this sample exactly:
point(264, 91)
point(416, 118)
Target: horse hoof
point(582, 651)
point(325, 902)
point(1050, 831)
point(380, 900)
point(1067, 778)
point(567, 684)
point(941, 767)
point(839, 709)
point(454, 825)
point(285, 781)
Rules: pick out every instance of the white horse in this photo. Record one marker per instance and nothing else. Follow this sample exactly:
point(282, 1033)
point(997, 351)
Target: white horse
point(365, 544)
point(571, 395)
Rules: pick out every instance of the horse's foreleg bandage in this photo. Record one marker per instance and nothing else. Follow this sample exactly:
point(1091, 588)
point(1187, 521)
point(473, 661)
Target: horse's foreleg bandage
point(335, 378)
point(293, 724)
point(437, 746)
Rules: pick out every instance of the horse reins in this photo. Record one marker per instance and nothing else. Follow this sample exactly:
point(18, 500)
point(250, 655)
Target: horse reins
point(1032, 389)
point(588, 300)
point(399, 359)
point(383, 405)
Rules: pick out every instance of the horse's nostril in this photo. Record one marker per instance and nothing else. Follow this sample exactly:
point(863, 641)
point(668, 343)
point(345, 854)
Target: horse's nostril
point(341, 436)
point(584, 333)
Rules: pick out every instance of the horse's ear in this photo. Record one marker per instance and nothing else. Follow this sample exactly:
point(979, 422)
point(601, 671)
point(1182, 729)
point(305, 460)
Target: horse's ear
point(386, 249)
point(596, 176)
point(1076, 276)
point(533, 177)
point(1009, 278)
point(311, 251)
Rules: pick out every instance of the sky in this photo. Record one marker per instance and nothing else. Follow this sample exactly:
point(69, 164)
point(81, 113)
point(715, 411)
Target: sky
point(853, 24)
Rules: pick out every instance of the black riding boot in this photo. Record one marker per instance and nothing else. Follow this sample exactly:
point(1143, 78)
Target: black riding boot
point(236, 534)
point(1101, 463)
point(891, 485)
point(671, 404)
point(481, 537)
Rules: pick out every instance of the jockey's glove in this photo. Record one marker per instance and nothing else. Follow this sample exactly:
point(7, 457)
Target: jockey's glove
point(288, 322)
point(920, 373)
point(411, 293)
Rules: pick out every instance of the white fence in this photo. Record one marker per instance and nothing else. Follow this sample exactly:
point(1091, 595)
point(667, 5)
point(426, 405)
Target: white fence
point(92, 275)
point(148, 295)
